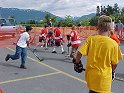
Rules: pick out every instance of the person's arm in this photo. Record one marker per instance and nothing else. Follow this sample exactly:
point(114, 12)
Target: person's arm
point(17, 40)
point(114, 67)
point(117, 55)
point(27, 43)
point(78, 57)
point(28, 40)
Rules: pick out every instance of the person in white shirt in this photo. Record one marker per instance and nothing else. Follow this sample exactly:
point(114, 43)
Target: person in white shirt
point(113, 26)
point(21, 48)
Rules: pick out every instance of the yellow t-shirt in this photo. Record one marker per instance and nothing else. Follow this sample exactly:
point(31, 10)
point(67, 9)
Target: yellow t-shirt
point(101, 52)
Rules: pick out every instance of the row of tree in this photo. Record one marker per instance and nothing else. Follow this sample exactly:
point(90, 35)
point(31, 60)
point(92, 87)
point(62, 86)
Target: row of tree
point(113, 11)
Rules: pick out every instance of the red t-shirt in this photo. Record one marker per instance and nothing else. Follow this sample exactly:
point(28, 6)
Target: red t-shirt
point(57, 34)
point(43, 33)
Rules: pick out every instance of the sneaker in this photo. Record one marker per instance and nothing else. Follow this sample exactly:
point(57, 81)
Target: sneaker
point(63, 52)
point(7, 57)
point(23, 66)
point(46, 48)
point(54, 52)
point(113, 75)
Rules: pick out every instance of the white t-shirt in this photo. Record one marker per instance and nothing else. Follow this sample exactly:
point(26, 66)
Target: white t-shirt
point(113, 26)
point(22, 40)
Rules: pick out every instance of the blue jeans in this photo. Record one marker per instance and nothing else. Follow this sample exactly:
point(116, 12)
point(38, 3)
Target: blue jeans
point(20, 52)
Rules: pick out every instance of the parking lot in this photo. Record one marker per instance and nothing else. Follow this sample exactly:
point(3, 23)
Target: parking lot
point(53, 75)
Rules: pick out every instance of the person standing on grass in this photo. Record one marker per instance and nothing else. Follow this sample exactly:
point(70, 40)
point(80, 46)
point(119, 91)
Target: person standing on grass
point(103, 54)
point(21, 47)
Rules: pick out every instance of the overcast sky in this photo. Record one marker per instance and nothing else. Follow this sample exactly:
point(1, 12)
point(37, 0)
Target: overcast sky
point(61, 7)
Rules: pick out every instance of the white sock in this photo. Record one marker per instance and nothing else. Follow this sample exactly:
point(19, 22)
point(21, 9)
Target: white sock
point(46, 44)
point(54, 49)
point(62, 48)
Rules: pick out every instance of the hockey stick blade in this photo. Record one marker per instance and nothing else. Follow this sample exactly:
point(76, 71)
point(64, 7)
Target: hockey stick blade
point(119, 79)
point(40, 59)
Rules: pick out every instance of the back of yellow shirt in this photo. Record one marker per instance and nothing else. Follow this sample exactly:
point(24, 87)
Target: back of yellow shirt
point(101, 52)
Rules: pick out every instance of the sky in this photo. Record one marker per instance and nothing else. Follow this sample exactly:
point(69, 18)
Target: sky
point(75, 8)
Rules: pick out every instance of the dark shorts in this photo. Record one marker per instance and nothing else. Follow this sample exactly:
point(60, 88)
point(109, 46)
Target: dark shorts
point(42, 39)
point(57, 44)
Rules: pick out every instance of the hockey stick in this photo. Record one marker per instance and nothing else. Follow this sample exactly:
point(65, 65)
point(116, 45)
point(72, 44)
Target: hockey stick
point(119, 79)
point(40, 59)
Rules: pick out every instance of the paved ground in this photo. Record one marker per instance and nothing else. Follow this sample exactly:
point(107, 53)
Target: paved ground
point(53, 75)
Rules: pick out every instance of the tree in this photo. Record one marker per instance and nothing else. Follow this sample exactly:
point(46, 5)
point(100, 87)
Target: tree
point(54, 20)
point(94, 20)
point(116, 8)
point(85, 22)
point(102, 11)
point(109, 10)
point(97, 11)
point(47, 19)
point(68, 21)
point(122, 10)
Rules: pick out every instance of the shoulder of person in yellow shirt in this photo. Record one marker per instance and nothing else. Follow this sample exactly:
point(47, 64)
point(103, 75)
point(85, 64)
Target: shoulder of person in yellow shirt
point(84, 47)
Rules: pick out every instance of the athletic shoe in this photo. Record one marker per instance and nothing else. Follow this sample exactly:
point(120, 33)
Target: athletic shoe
point(7, 57)
point(46, 48)
point(23, 66)
point(54, 52)
point(63, 52)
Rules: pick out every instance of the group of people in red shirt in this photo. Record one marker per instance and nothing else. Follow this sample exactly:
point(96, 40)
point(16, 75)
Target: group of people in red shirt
point(54, 33)
point(52, 36)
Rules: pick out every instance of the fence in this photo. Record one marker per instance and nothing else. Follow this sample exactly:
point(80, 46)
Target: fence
point(7, 38)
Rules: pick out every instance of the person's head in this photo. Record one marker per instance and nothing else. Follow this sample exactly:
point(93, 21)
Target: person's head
point(73, 27)
point(45, 26)
point(111, 32)
point(104, 23)
point(28, 28)
point(119, 21)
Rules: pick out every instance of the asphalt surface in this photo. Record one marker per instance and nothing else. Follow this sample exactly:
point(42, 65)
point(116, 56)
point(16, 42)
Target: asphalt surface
point(53, 75)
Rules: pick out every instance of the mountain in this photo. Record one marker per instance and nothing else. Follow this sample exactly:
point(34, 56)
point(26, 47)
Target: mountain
point(87, 16)
point(22, 15)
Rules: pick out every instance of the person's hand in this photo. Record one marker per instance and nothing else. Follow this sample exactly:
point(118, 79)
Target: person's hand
point(68, 45)
point(78, 67)
point(68, 37)
point(14, 43)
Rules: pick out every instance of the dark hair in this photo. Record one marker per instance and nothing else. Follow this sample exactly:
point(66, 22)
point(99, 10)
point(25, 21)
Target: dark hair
point(46, 26)
point(28, 28)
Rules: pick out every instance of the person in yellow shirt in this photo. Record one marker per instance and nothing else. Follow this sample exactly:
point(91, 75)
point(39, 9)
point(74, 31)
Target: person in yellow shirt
point(102, 54)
